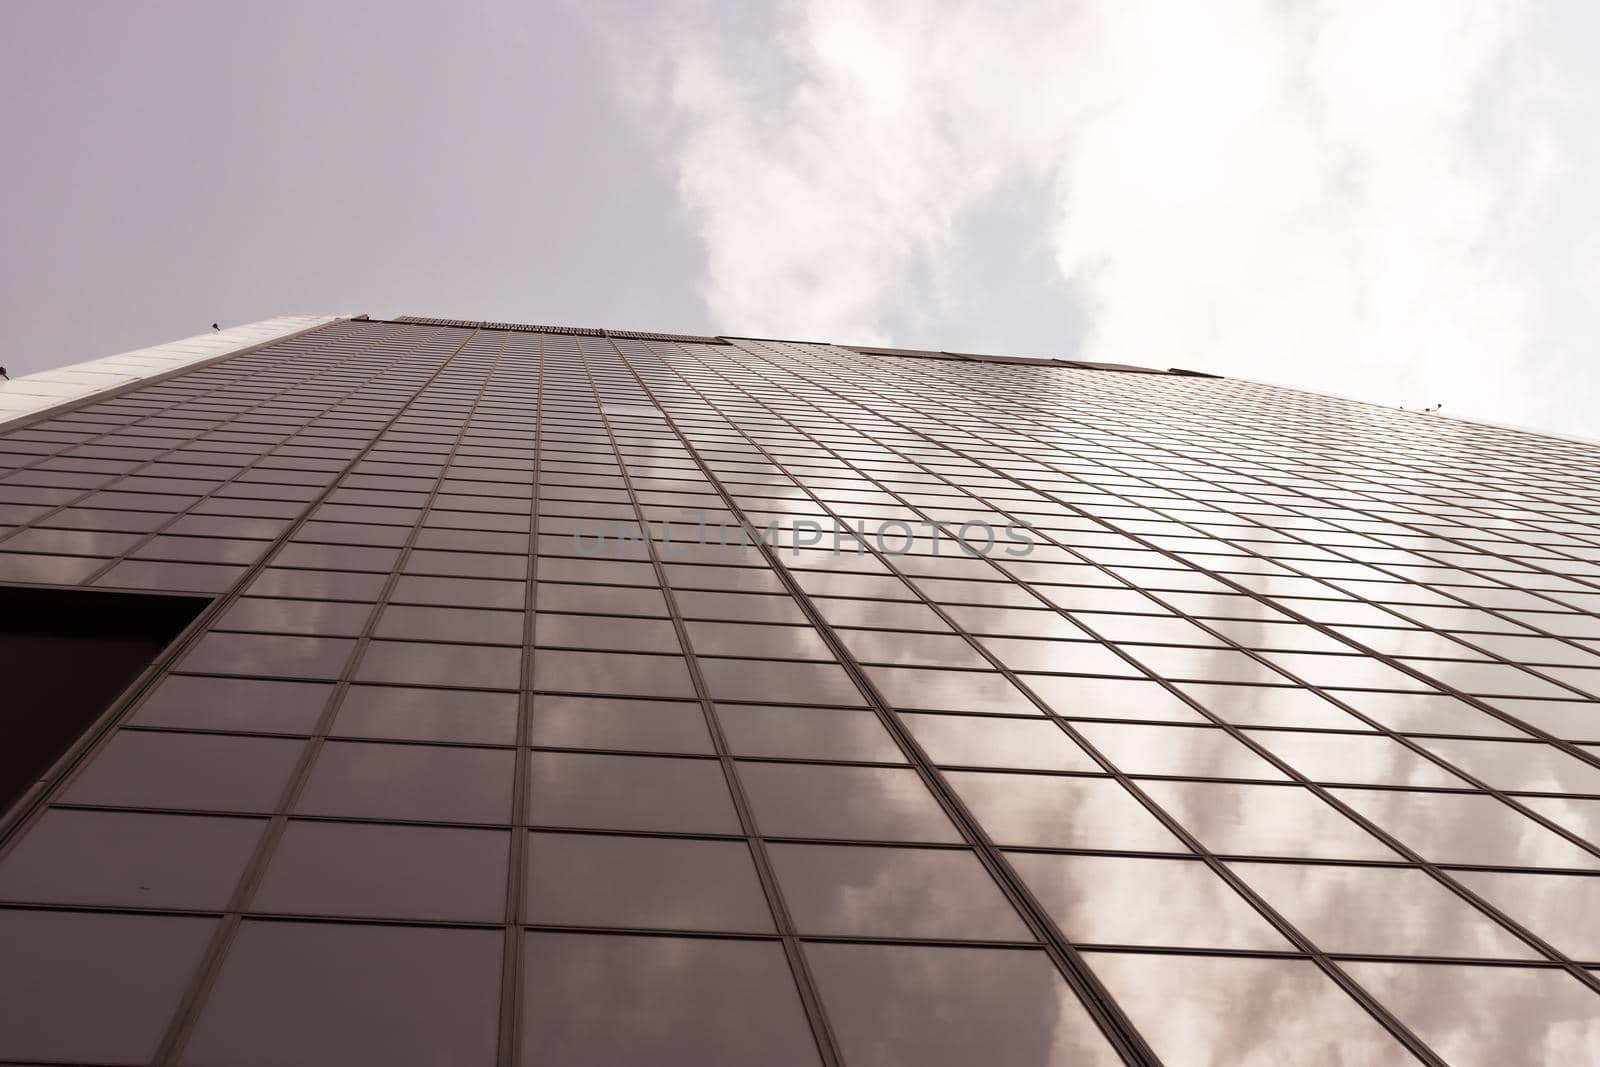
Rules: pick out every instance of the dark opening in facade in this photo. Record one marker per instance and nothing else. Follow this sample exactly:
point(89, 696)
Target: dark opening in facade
point(65, 656)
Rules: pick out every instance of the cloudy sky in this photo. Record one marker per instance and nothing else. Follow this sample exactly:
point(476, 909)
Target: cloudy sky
point(1394, 201)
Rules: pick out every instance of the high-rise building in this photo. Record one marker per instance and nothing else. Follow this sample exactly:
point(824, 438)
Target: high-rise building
point(428, 692)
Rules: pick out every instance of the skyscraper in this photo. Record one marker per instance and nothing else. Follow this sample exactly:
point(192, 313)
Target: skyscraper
point(439, 692)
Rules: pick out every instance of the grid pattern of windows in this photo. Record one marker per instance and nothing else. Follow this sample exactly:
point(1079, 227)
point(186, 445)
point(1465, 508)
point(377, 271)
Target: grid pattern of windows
point(1062, 716)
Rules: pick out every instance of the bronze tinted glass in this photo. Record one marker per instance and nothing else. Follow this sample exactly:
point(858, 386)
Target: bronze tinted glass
point(567, 696)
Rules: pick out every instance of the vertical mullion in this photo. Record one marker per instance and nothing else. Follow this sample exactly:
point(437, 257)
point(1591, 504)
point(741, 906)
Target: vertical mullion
point(811, 1000)
point(1432, 869)
point(511, 976)
point(192, 1004)
point(1107, 1014)
point(99, 398)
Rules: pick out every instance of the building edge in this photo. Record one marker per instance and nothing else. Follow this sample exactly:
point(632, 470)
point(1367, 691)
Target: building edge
point(47, 392)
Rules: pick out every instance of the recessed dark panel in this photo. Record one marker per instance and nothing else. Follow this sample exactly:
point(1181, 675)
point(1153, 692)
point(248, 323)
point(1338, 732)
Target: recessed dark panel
point(65, 655)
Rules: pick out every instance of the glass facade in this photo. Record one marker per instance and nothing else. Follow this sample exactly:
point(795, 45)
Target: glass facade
point(565, 697)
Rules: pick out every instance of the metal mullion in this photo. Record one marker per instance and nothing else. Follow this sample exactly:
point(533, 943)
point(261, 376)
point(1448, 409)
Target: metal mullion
point(508, 1034)
point(960, 846)
point(805, 984)
point(1594, 584)
point(1506, 717)
point(1280, 923)
point(31, 803)
point(1570, 748)
point(1455, 887)
point(287, 389)
point(1353, 988)
point(218, 424)
point(192, 1003)
point(1261, 598)
point(80, 404)
point(1433, 870)
point(1499, 613)
point(171, 520)
point(1102, 1008)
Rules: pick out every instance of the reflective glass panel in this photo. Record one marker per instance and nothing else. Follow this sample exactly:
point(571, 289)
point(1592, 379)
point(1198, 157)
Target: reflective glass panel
point(1379, 911)
point(893, 892)
point(1489, 1016)
point(1215, 1011)
point(331, 994)
point(1466, 828)
point(1264, 820)
point(660, 1002)
point(644, 883)
point(973, 741)
point(861, 803)
point(629, 793)
point(894, 1005)
point(1059, 812)
point(1131, 900)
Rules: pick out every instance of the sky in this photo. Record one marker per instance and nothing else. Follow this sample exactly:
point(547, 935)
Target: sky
point(1390, 201)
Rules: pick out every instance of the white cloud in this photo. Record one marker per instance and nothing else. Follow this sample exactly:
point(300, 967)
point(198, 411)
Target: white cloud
point(1390, 200)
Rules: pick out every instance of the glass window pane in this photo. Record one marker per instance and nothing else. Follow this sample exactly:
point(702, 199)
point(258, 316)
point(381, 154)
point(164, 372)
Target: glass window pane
point(391, 872)
point(1532, 767)
point(987, 741)
point(644, 883)
point(975, 692)
point(744, 607)
point(650, 1001)
point(1426, 713)
point(1379, 911)
point(1472, 828)
point(419, 663)
point(145, 769)
point(625, 725)
point(887, 614)
point(472, 625)
point(1060, 657)
point(301, 658)
point(1203, 664)
point(1571, 720)
point(196, 702)
point(939, 1006)
point(1351, 672)
point(1563, 909)
point(605, 632)
point(1193, 751)
point(1048, 811)
point(629, 793)
point(1371, 760)
point(85, 987)
point(893, 892)
point(461, 715)
point(616, 673)
point(1210, 1011)
point(863, 803)
point(1489, 1016)
point(429, 783)
point(129, 859)
point(1016, 622)
point(1131, 900)
point(1264, 820)
point(1112, 698)
point(1576, 814)
point(318, 617)
point(1259, 705)
point(807, 733)
point(767, 642)
point(332, 994)
point(742, 680)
